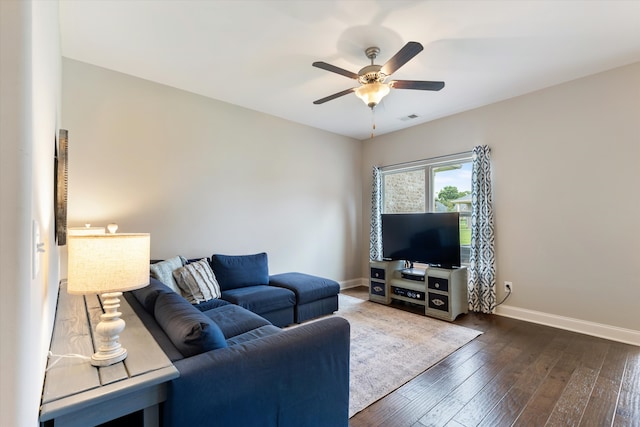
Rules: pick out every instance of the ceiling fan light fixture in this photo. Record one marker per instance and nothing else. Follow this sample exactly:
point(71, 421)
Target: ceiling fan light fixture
point(372, 93)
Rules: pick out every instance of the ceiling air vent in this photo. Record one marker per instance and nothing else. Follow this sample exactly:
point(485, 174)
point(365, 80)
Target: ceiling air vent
point(409, 117)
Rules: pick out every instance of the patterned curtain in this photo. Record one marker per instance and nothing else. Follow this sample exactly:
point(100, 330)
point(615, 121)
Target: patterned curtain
point(375, 239)
point(482, 271)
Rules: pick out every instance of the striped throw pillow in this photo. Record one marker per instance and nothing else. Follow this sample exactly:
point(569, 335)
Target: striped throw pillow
point(197, 282)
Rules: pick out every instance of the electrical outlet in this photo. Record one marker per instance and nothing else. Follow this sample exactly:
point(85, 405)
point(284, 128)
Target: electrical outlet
point(508, 286)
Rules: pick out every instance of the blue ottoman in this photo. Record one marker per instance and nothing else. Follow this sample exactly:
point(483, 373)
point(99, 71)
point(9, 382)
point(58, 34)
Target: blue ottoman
point(315, 296)
point(277, 305)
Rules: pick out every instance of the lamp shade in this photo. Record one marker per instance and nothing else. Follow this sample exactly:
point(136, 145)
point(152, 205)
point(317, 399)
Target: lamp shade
point(108, 263)
point(372, 93)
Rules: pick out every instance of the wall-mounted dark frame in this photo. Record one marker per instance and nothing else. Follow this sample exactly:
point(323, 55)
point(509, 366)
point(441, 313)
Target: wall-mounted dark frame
point(60, 189)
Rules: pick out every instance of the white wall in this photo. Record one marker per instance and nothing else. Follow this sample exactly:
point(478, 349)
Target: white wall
point(566, 177)
point(29, 113)
point(205, 177)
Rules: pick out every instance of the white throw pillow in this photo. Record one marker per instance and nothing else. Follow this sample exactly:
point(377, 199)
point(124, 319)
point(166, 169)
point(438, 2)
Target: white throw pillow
point(163, 271)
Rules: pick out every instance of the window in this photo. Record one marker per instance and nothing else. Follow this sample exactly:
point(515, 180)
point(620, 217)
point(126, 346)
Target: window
point(403, 192)
point(435, 185)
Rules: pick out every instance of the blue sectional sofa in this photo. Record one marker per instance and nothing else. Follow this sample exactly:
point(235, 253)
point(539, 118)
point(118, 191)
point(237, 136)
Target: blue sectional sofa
point(244, 280)
point(238, 369)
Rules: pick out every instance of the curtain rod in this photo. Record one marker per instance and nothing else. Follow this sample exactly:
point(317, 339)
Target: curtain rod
point(417, 162)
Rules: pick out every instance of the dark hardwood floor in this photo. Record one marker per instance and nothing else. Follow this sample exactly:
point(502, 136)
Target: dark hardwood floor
point(516, 373)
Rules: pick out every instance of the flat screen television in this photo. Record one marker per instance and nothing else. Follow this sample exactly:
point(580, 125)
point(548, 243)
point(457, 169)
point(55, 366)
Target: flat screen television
point(428, 238)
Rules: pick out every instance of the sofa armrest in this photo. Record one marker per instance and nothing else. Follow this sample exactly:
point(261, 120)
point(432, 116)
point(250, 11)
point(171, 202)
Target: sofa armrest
point(299, 377)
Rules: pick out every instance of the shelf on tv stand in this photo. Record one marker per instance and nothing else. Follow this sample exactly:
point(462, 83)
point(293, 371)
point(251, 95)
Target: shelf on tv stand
point(414, 285)
point(409, 300)
point(415, 271)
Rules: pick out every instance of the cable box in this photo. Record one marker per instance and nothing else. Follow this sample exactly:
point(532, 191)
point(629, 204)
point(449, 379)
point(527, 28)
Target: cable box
point(416, 274)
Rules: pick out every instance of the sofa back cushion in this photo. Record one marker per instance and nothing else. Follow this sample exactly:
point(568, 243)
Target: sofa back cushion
point(147, 296)
point(189, 330)
point(239, 271)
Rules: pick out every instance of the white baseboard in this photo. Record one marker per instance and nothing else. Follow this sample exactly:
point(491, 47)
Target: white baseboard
point(614, 333)
point(353, 283)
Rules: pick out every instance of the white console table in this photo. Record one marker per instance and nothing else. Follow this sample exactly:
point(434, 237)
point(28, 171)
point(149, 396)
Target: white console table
point(442, 291)
point(78, 394)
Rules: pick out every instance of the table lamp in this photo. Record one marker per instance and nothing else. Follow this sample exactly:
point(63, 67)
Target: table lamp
point(108, 264)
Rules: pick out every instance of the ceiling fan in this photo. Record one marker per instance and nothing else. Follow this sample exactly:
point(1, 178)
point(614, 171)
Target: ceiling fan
point(372, 77)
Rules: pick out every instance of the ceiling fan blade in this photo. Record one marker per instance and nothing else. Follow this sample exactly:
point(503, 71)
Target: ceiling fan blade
point(403, 56)
point(335, 69)
point(334, 96)
point(416, 84)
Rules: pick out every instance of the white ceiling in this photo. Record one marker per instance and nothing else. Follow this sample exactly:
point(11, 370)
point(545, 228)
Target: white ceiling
point(258, 53)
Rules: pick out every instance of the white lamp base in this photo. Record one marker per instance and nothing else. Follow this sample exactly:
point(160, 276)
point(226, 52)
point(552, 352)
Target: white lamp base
point(102, 359)
point(108, 331)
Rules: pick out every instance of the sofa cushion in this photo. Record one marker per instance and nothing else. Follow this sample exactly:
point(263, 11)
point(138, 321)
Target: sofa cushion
point(197, 282)
point(237, 271)
point(188, 329)
point(163, 271)
point(147, 296)
point(153, 327)
point(261, 299)
point(212, 303)
point(234, 320)
point(262, 331)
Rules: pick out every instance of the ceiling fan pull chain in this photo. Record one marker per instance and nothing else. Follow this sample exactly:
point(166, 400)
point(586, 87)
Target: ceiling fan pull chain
point(373, 122)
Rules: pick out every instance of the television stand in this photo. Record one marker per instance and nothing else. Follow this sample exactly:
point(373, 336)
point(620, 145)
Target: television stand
point(441, 291)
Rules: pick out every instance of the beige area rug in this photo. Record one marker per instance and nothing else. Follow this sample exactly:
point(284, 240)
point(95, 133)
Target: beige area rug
point(390, 346)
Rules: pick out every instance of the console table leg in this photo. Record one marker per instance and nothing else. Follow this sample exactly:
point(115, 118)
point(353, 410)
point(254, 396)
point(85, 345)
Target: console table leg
point(151, 416)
